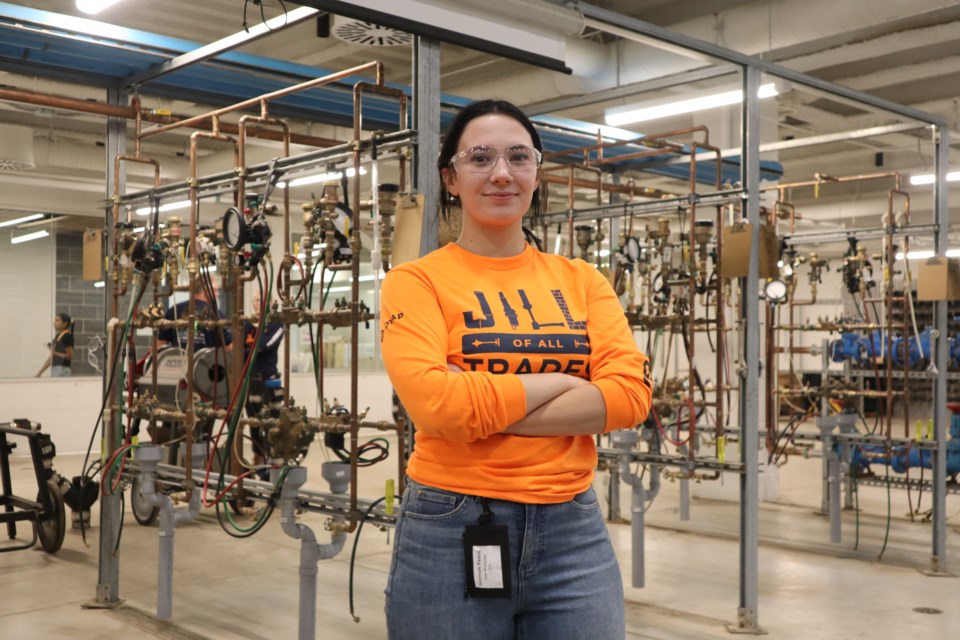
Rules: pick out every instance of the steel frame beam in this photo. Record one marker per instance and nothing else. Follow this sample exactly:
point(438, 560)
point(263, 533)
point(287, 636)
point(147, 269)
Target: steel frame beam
point(426, 113)
point(640, 31)
point(111, 513)
point(217, 48)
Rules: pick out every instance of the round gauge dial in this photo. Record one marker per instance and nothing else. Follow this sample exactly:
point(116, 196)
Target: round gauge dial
point(775, 291)
point(234, 229)
point(632, 249)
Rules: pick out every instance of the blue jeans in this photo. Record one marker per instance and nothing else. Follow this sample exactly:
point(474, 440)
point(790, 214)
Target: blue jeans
point(565, 577)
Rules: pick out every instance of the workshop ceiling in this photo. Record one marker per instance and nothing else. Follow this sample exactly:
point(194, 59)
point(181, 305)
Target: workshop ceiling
point(907, 53)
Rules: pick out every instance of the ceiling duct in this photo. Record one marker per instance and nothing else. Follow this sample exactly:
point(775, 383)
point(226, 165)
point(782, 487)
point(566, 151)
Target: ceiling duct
point(367, 34)
point(16, 148)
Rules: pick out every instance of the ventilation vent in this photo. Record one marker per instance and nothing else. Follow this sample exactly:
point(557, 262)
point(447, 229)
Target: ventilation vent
point(368, 34)
point(16, 148)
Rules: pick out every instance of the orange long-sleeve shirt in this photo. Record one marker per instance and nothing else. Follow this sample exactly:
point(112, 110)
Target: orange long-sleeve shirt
point(497, 318)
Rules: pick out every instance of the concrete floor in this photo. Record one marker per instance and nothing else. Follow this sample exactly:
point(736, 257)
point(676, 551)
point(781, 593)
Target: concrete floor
point(248, 589)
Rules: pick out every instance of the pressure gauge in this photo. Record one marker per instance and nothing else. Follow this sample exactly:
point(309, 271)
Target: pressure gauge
point(775, 291)
point(234, 229)
point(632, 250)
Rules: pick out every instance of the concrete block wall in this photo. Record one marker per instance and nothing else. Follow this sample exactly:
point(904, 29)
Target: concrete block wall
point(80, 299)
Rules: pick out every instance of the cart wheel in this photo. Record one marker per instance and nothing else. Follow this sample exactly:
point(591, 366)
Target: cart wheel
point(51, 527)
point(143, 512)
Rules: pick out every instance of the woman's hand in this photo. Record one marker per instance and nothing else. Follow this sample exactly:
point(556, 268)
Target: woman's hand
point(454, 368)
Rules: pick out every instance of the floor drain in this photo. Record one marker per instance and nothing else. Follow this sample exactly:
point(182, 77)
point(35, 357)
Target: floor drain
point(929, 610)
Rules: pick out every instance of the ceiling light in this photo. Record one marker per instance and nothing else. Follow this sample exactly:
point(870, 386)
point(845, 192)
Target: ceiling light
point(628, 115)
point(36, 235)
point(929, 178)
point(170, 206)
point(16, 221)
point(95, 6)
point(322, 177)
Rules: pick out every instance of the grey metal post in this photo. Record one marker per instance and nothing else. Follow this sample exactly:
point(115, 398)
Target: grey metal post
point(426, 119)
point(638, 502)
point(747, 615)
point(108, 578)
point(831, 477)
point(938, 558)
point(845, 456)
point(613, 495)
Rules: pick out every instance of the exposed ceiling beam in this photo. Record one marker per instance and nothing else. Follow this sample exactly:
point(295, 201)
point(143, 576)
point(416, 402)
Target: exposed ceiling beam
point(223, 45)
point(876, 47)
point(907, 73)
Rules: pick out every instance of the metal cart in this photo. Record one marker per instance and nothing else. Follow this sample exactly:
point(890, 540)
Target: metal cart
point(47, 511)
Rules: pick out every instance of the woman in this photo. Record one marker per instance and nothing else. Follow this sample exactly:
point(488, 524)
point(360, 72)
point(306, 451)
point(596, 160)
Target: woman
point(61, 349)
point(509, 362)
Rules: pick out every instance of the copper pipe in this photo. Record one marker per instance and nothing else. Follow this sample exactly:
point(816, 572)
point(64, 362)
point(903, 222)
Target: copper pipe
point(691, 266)
point(193, 269)
point(134, 112)
point(837, 179)
point(795, 350)
point(309, 84)
point(656, 138)
point(358, 90)
point(904, 302)
point(284, 293)
point(608, 187)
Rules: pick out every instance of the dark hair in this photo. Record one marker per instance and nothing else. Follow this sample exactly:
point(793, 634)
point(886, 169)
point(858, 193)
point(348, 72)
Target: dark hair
point(67, 320)
point(451, 140)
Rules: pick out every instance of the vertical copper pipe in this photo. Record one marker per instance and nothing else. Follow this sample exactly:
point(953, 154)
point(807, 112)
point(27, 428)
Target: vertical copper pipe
point(692, 276)
point(287, 261)
point(193, 272)
point(721, 329)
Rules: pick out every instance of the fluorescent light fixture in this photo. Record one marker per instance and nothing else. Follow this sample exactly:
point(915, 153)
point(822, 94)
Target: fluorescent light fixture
point(16, 221)
point(36, 235)
point(345, 289)
point(322, 177)
point(100, 284)
point(622, 116)
point(929, 178)
point(170, 206)
point(95, 6)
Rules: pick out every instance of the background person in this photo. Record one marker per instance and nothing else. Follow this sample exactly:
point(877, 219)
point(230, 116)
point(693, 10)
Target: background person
point(267, 347)
point(61, 349)
point(509, 362)
point(202, 337)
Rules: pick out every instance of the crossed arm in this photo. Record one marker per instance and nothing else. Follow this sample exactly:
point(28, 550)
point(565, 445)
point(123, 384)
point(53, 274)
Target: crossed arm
point(557, 405)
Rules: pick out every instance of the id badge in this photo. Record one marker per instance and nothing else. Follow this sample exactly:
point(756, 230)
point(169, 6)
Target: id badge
point(487, 559)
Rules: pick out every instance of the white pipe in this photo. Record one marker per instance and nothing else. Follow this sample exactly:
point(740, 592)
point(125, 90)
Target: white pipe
point(625, 440)
point(310, 552)
point(147, 457)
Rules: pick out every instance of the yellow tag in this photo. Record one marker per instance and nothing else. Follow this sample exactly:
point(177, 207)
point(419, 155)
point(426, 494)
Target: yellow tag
point(722, 448)
point(919, 429)
point(388, 500)
point(929, 428)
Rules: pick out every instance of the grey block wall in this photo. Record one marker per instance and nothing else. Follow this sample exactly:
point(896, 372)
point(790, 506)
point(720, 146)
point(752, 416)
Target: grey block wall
point(80, 299)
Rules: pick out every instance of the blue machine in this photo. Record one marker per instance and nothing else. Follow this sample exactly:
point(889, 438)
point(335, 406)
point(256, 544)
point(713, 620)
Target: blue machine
point(954, 342)
point(852, 346)
point(907, 349)
point(902, 460)
point(858, 349)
